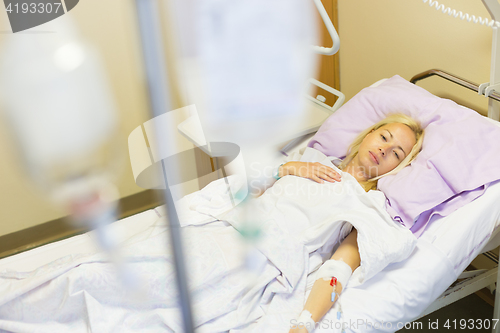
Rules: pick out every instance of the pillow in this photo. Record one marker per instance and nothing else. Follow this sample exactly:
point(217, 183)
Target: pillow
point(460, 154)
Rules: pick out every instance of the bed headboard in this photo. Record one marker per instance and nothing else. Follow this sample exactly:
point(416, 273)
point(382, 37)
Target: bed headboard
point(481, 89)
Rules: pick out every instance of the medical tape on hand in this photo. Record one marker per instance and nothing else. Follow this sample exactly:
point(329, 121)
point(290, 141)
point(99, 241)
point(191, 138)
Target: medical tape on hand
point(305, 320)
point(335, 268)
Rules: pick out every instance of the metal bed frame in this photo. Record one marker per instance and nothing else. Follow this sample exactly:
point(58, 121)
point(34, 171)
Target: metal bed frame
point(455, 79)
point(470, 281)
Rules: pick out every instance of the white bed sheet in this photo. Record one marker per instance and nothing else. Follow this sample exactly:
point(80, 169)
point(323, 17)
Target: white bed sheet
point(81, 291)
point(402, 291)
point(397, 294)
point(84, 243)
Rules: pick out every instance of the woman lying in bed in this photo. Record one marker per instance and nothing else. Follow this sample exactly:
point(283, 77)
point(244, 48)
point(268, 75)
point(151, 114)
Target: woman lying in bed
point(300, 221)
point(383, 149)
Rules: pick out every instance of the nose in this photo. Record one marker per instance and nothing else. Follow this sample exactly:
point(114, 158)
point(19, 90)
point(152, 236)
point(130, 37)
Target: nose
point(383, 149)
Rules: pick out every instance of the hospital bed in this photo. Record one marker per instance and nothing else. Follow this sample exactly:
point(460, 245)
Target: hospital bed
point(401, 293)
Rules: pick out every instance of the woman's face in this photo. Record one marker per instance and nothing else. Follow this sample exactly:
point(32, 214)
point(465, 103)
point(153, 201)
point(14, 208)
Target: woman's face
point(383, 149)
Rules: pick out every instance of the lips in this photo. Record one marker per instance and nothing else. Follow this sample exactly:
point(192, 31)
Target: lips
point(374, 158)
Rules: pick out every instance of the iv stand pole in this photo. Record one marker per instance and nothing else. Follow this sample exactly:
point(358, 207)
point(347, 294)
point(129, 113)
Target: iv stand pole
point(159, 95)
point(493, 8)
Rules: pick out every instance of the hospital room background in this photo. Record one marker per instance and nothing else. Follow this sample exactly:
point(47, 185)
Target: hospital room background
point(379, 39)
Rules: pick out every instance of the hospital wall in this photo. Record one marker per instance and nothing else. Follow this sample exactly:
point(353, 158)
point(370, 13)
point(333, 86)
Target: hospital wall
point(382, 38)
point(111, 27)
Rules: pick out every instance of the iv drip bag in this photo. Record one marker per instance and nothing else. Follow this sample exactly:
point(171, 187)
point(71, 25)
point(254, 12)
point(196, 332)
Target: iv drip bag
point(246, 64)
point(59, 107)
point(56, 101)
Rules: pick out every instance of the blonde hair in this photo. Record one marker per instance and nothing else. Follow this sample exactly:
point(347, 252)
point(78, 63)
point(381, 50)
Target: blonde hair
point(371, 184)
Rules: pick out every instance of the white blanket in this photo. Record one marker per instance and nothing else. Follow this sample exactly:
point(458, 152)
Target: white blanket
point(299, 223)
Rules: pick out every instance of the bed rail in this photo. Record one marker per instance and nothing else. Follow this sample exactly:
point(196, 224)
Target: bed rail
point(453, 78)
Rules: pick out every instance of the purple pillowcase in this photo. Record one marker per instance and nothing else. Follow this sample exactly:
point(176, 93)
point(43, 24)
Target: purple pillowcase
point(460, 155)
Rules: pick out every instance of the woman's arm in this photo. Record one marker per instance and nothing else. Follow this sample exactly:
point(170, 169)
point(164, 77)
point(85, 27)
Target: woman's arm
point(319, 301)
point(312, 170)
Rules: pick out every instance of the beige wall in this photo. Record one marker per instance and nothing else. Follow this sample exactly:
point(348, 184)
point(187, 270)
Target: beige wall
point(111, 27)
point(381, 38)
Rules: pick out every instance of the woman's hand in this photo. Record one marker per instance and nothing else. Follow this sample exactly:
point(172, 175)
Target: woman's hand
point(312, 170)
point(298, 330)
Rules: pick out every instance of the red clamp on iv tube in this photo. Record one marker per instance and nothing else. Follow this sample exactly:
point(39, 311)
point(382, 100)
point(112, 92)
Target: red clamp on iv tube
point(333, 283)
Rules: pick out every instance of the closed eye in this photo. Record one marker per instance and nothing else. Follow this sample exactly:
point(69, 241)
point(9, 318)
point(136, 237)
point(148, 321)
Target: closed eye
point(396, 153)
point(383, 137)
